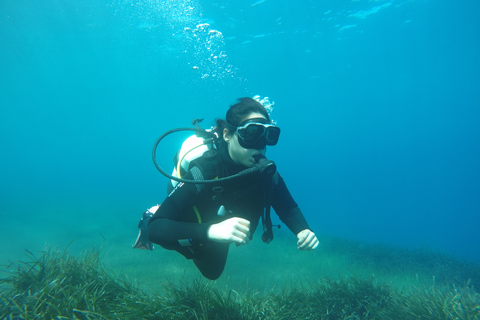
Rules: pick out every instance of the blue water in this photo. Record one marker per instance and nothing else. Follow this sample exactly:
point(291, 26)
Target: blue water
point(377, 100)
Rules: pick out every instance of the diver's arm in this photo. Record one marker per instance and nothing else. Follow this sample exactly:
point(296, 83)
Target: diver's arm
point(168, 232)
point(295, 221)
point(286, 208)
point(288, 211)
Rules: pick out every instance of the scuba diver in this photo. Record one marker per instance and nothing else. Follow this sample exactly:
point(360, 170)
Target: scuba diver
point(223, 193)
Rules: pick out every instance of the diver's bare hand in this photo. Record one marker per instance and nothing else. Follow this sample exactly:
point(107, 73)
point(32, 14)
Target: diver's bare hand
point(231, 230)
point(307, 240)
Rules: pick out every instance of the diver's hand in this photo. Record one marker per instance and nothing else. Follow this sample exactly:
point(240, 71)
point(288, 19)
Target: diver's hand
point(231, 230)
point(307, 240)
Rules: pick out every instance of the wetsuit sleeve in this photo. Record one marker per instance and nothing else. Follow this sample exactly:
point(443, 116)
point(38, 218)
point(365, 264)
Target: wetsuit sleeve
point(286, 208)
point(174, 220)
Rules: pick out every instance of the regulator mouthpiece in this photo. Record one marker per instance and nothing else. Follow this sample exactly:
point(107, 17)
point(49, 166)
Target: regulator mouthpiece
point(264, 165)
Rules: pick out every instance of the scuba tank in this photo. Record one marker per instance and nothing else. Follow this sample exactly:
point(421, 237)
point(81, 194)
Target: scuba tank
point(192, 148)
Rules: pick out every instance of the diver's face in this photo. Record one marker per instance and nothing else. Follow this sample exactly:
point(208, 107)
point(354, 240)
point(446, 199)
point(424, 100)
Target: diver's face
point(238, 153)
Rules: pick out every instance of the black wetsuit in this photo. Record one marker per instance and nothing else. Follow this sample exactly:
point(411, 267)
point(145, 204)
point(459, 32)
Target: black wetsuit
point(182, 221)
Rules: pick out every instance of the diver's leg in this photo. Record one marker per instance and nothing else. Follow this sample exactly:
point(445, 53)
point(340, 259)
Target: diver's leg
point(211, 261)
point(209, 257)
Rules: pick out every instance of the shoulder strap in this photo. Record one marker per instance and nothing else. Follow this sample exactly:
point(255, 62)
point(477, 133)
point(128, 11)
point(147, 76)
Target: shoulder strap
point(209, 165)
point(197, 175)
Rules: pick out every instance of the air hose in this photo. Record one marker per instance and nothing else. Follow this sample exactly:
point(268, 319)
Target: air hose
point(262, 165)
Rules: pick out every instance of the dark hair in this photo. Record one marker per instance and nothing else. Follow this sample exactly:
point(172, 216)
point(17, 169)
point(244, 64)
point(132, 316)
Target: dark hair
point(237, 113)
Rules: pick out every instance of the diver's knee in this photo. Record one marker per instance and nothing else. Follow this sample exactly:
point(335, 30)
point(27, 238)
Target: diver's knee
point(211, 274)
point(209, 270)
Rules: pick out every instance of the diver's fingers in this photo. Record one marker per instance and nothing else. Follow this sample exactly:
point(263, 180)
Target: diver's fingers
point(244, 222)
point(307, 240)
point(303, 245)
point(242, 230)
point(231, 230)
point(243, 226)
point(314, 244)
point(302, 237)
point(240, 237)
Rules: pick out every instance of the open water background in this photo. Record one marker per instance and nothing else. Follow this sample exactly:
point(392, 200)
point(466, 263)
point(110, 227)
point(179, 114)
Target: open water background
point(378, 102)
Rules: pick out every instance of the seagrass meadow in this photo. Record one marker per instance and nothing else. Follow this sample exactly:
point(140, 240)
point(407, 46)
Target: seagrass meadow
point(342, 280)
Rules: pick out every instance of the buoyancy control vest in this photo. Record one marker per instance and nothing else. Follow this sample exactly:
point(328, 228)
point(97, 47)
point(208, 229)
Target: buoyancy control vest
point(199, 154)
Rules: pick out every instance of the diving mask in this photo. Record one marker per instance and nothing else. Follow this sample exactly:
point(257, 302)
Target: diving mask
point(257, 134)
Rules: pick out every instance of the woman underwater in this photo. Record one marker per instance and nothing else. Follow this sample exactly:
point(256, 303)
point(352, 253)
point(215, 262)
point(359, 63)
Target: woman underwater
point(200, 221)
